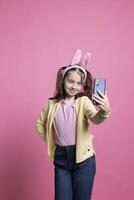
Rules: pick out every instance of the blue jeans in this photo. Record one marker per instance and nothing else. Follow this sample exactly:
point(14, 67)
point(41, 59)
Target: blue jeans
point(73, 181)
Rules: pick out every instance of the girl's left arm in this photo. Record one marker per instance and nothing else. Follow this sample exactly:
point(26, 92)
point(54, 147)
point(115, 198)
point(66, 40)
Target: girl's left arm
point(102, 101)
point(104, 108)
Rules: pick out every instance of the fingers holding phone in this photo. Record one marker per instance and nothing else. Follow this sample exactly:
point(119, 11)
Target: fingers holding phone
point(102, 102)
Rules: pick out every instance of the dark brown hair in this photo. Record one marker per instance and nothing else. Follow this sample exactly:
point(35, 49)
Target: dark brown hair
point(60, 92)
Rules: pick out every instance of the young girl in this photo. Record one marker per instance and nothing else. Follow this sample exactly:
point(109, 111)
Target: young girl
point(63, 124)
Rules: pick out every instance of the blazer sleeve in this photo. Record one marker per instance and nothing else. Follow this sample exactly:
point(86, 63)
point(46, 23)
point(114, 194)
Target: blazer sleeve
point(94, 115)
point(40, 124)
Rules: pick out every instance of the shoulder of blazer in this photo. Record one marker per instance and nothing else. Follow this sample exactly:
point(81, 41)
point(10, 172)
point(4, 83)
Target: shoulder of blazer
point(52, 102)
point(49, 103)
point(83, 99)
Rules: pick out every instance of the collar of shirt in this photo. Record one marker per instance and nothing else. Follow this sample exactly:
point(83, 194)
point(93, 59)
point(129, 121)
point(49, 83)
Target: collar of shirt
point(68, 102)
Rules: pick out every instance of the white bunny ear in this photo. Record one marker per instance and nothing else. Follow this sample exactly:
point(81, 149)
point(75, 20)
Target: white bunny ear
point(76, 57)
point(85, 59)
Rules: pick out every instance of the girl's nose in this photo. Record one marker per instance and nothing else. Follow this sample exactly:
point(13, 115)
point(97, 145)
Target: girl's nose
point(74, 86)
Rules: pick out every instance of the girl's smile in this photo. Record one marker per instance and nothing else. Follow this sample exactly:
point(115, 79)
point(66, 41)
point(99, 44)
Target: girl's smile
point(72, 84)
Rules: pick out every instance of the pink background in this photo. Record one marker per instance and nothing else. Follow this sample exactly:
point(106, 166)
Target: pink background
point(36, 38)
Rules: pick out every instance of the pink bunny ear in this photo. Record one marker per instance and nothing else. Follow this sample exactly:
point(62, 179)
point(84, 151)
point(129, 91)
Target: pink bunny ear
point(85, 59)
point(76, 57)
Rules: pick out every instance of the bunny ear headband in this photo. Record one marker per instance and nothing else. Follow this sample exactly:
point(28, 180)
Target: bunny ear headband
point(78, 62)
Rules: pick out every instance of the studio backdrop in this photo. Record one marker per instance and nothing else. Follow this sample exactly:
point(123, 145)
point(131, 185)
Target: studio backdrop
point(36, 38)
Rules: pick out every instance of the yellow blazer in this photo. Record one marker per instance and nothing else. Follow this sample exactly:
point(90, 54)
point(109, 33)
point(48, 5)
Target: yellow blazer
point(85, 112)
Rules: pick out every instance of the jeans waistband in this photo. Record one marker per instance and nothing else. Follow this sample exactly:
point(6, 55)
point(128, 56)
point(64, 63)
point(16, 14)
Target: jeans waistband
point(66, 147)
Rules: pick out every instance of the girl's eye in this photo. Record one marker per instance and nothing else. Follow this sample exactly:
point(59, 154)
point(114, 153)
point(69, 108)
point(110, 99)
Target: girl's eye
point(70, 81)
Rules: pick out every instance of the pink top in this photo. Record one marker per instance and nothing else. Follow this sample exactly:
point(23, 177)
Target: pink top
point(65, 123)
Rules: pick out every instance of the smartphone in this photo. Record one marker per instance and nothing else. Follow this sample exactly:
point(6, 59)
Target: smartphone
point(99, 85)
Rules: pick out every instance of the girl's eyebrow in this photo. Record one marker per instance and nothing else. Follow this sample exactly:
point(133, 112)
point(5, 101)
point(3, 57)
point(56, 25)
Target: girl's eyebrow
point(69, 79)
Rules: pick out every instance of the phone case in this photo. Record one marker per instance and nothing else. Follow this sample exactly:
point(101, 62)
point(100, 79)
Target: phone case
point(99, 85)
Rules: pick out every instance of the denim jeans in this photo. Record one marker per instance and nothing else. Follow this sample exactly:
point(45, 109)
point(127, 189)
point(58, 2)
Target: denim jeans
point(73, 181)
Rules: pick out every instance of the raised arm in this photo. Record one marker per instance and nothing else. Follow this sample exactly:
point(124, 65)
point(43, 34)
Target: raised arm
point(97, 116)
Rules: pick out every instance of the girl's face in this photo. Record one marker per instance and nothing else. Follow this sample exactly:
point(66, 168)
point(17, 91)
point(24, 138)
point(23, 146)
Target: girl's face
point(72, 84)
